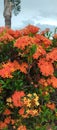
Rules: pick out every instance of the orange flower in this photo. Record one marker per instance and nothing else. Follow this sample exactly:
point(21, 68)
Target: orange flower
point(6, 38)
point(16, 98)
point(22, 127)
point(22, 67)
point(40, 51)
point(42, 40)
point(45, 67)
point(2, 125)
point(24, 41)
point(33, 29)
point(7, 69)
point(43, 82)
point(51, 106)
point(54, 81)
point(32, 112)
point(12, 121)
point(5, 73)
point(45, 93)
point(55, 36)
point(49, 81)
point(7, 112)
point(7, 120)
point(21, 111)
point(52, 56)
point(10, 67)
point(14, 33)
point(29, 29)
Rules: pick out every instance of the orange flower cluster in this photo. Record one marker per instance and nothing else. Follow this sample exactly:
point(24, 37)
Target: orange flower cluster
point(42, 40)
point(6, 38)
point(4, 124)
point(52, 81)
point(29, 29)
point(22, 67)
point(16, 98)
point(32, 112)
point(39, 52)
point(17, 33)
point(8, 68)
point(52, 56)
point(7, 120)
point(7, 112)
point(43, 82)
point(24, 41)
point(51, 106)
point(45, 67)
point(14, 33)
point(22, 127)
point(32, 29)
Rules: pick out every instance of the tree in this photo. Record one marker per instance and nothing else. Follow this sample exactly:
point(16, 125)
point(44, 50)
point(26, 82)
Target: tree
point(9, 6)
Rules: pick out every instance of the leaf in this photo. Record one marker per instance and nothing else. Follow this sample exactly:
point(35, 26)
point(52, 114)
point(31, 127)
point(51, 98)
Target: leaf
point(33, 49)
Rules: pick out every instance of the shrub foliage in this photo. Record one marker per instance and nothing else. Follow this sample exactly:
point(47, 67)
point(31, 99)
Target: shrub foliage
point(28, 79)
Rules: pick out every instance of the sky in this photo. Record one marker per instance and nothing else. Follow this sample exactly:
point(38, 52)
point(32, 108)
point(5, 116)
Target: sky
point(33, 12)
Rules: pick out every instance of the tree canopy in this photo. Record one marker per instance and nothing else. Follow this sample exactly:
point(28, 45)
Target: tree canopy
point(15, 6)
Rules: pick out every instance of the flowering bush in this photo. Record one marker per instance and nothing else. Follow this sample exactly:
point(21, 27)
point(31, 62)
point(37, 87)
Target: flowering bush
point(28, 79)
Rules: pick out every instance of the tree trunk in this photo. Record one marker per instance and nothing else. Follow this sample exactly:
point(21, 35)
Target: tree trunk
point(7, 13)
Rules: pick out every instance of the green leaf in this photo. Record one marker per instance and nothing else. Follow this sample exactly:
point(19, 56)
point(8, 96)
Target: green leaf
point(33, 49)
